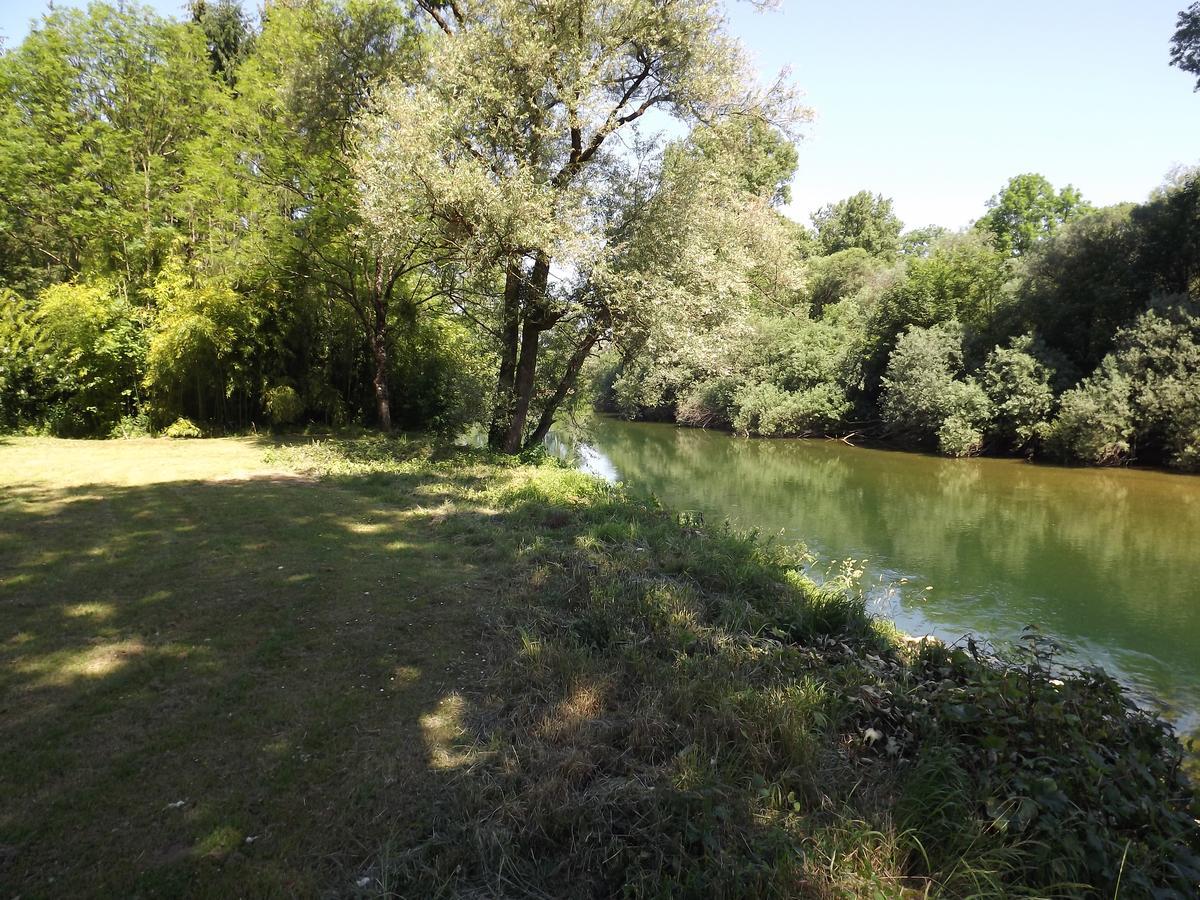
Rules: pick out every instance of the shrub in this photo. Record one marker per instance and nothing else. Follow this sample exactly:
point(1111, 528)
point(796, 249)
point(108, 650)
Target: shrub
point(968, 412)
point(283, 404)
point(924, 400)
point(1095, 422)
point(1018, 385)
point(134, 426)
point(1050, 774)
point(182, 428)
point(1144, 395)
point(70, 360)
point(709, 404)
point(768, 410)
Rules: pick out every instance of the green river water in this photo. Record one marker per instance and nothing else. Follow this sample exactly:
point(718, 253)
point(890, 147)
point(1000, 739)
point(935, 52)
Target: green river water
point(1106, 561)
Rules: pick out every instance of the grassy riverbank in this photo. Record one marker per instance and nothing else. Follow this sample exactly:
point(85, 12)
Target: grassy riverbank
point(376, 667)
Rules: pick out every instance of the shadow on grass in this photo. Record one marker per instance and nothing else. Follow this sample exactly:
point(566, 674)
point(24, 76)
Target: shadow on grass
point(225, 687)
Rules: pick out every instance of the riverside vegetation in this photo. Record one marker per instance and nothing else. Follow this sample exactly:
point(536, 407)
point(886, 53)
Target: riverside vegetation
point(429, 214)
point(433, 671)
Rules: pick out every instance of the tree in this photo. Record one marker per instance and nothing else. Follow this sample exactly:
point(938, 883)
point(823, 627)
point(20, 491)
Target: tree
point(864, 220)
point(315, 71)
point(1144, 398)
point(925, 399)
point(507, 149)
point(228, 33)
point(99, 115)
point(920, 241)
point(1028, 210)
point(1185, 43)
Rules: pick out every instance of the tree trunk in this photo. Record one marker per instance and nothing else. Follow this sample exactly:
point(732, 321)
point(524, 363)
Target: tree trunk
point(383, 399)
point(379, 352)
point(502, 408)
point(523, 385)
point(565, 385)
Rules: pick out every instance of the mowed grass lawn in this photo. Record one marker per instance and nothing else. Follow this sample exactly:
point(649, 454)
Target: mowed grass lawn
point(219, 677)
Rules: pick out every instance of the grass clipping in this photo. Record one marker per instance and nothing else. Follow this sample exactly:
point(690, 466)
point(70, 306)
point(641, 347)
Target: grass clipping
point(678, 711)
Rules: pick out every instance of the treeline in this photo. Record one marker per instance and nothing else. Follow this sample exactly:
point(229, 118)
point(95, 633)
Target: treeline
point(438, 213)
point(373, 211)
point(177, 226)
point(1049, 328)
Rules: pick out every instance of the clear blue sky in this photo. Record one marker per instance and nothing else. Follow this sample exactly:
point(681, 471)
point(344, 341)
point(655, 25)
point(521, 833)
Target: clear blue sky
point(935, 103)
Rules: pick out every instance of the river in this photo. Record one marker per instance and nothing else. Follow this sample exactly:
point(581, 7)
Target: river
point(1105, 561)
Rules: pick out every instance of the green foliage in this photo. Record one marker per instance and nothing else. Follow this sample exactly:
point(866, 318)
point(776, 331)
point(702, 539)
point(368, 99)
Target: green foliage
point(1144, 399)
point(201, 342)
point(1078, 287)
point(1018, 384)
point(227, 32)
point(1029, 210)
point(961, 277)
point(1056, 765)
point(920, 241)
point(1095, 422)
point(839, 276)
point(283, 404)
point(765, 158)
point(134, 426)
point(864, 220)
point(70, 361)
point(924, 398)
point(183, 428)
point(1185, 43)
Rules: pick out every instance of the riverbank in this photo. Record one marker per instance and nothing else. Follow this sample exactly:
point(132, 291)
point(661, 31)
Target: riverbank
point(382, 667)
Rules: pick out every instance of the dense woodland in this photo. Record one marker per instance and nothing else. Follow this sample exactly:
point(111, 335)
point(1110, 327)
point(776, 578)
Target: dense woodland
point(449, 213)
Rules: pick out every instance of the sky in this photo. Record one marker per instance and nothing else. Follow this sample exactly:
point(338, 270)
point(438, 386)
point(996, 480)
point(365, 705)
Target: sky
point(937, 103)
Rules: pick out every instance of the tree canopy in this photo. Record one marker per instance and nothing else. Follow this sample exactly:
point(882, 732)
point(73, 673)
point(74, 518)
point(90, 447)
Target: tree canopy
point(1027, 210)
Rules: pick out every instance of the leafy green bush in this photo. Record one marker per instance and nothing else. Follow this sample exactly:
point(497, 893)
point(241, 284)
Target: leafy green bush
point(283, 404)
point(1095, 422)
point(182, 428)
point(768, 410)
point(924, 400)
point(968, 412)
point(200, 342)
point(1052, 771)
point(70, 360)
point(709, 404)
point(134, 426)
point(1018, 385)
point(1144, 397)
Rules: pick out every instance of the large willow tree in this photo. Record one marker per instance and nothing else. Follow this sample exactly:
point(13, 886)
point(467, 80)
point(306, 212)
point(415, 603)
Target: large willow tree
point(520, 147)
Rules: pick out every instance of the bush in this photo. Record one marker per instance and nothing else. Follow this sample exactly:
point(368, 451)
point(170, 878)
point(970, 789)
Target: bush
point(283, 404)
point(182, 428)
point(924, 400)
point(1144, 396)
point(1018, 385)
point(767, 410)
point(70, 360)
point(1048, 773)
point(134, 426)
point(709, 404)
point(968, 412)
point(1095, 421)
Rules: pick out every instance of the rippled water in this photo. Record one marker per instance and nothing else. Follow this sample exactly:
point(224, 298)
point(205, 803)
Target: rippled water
point(1107, 561)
